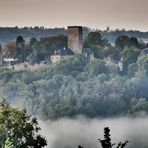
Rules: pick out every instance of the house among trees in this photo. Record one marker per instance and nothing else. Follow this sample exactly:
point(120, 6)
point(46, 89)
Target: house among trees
point(6, 61)
point(61, 54)
point(9, 61)
point(75, 46)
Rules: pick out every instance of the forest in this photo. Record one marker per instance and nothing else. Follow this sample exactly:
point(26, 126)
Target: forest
point(78, 86)
point(74, 86)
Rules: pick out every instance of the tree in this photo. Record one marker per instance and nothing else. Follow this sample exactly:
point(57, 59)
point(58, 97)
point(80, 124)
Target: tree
point(95, 42)
point(133, 42)
point(32, 42)
point(20, 52)
point(9, 49)
point(94, 38)
point(19, 40)
point(17, 129)
point(79, 146)
point(121, 42)
point(106, 142)
point(130, 56)
point(143, 64)
point(96, 67)
point(124, 41)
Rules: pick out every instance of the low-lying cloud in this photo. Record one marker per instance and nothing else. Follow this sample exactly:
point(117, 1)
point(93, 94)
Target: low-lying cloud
point(69, 133)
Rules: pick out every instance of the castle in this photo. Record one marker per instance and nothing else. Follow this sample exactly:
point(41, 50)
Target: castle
point(75, 46)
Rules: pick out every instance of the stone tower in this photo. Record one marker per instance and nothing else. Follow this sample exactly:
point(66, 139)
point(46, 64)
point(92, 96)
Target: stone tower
point(1, 56)
point(75, 39)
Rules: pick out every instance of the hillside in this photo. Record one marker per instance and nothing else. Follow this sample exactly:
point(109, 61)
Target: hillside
point(77, 86)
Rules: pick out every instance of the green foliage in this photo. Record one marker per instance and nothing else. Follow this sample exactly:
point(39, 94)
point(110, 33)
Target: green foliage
point(133, 42)
point(94, 38)
point(121, 42)
point(9, 49)
point(124, 42)
point(17, 129)
point(36, 51)
point(96, 67)
point(76, 85)
point(143, 64)
point(132, 69)
point(73, 66)
point(32, 42)
point(42, 49)
point(20, 51)
point(140, 105)
point(131, 55)
point(96, 43)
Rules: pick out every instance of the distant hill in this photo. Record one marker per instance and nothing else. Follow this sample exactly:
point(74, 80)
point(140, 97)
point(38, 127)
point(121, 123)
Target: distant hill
point(113, 34)
point(10, 33)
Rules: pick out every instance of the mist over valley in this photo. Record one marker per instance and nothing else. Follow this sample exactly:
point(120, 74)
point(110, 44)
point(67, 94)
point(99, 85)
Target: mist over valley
point(69, 133)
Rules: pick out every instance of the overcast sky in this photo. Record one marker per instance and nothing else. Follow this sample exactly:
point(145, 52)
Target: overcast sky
point(129, 14)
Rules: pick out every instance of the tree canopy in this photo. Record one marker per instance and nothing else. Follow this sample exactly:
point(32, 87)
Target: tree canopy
point(17, 129)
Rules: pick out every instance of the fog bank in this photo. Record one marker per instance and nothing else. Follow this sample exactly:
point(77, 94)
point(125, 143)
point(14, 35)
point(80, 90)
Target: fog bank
point(69, 133)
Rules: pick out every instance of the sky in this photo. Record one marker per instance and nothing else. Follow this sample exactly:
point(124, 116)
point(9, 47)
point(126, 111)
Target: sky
point(128, 14)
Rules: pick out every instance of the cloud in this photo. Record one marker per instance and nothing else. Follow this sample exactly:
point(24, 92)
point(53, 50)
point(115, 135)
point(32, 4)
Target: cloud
point(69, 133)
